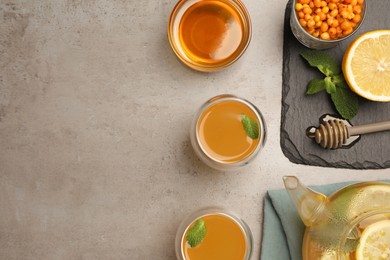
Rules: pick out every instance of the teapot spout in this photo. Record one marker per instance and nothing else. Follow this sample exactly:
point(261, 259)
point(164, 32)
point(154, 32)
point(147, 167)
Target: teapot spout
point(311, 205)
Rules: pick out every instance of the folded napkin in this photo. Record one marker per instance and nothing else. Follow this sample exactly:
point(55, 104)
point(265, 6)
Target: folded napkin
point(282, 227)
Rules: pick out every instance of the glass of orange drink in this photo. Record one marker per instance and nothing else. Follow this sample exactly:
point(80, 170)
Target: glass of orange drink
point(209, 35)
point(227, 132)
point(225, 236)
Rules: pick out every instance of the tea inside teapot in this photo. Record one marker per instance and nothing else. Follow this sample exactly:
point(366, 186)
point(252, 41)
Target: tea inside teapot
point(336, 224)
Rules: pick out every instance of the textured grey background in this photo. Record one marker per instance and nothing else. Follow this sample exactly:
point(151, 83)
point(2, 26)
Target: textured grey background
point(300, 111)
point(95, 110)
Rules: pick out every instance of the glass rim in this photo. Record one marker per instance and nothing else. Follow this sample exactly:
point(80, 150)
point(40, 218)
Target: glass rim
point(246, 37)
point(229, 97)
point(209, 211)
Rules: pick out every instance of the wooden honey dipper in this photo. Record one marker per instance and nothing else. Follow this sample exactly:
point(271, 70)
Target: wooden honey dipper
point(334, 133)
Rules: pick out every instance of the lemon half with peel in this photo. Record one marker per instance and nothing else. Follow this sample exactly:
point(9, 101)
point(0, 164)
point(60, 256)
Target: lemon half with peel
point(375, 242)
point(366, 65)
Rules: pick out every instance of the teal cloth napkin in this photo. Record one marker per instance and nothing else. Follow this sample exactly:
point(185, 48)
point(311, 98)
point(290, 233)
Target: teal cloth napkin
point(282, 228)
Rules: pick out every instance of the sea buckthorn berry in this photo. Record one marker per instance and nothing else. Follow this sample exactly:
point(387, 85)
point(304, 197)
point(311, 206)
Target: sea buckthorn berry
point(311, 5)
point(318, 24)
point(298, 6)
point(307, 17)
point(310, 30)
point(317, 18)
point(347, 15)
point(311, 23)
point(357, 9)
point(325, 36)
point(322, 16)
point(317, 3)
point(340, 19)
point(324, 27)
point(360, 2)
point(342, 7)
point(334, 13)
point(357, 18)
point(345, 25)
point(316, 33)
point(307, 10)
point(324, 3)
point(332, 31)
point(330, 21)
point(302, 22)
point(347, 32)
point(332, 6)
point(325, 10)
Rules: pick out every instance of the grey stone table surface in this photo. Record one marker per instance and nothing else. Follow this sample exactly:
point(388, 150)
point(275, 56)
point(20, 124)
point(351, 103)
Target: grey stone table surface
point(95, 158)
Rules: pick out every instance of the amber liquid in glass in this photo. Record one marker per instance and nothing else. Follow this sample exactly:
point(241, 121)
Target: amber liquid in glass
point(210, 32)
point(224, 239)
point(221, 133)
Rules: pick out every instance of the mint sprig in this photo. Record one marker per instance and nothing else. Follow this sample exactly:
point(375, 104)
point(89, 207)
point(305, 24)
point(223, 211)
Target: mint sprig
point(251, 127)
point(345, 101)
point(196, 233)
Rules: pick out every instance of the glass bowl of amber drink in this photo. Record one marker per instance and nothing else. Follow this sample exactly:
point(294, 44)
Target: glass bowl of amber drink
point(209, 35)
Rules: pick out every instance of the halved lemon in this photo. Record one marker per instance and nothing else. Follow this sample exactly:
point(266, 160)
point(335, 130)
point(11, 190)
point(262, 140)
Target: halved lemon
point(375, 242)
point(366, 65)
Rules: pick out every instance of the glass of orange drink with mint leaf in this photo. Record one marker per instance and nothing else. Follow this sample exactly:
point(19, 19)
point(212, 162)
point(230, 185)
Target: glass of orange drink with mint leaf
point(227, 132)
point(213, 233)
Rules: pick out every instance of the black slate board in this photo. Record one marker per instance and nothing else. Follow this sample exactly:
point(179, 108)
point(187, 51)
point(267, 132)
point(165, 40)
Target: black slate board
point(300, 111)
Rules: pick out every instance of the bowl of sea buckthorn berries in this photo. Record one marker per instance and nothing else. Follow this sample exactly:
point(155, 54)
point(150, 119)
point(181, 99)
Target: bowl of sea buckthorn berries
point(322, 24)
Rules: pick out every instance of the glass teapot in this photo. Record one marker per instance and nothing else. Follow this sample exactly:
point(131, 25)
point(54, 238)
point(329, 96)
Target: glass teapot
point(352, 223)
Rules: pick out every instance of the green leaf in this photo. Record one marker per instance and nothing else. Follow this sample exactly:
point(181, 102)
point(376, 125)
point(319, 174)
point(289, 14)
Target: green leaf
point(323, 61)
point(340, 81)
point(251, 127)
point(196, 233)
point(315, 86)
point(337, 79)
point(343, 84)
point(346, 102)
point(329, 85)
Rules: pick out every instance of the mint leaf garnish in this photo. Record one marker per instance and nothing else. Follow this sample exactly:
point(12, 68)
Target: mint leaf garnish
point(329, 85)
point(250, 126)
point(346, 102)
point(323, 61)
point(196, 233)
point(339, 80)
point(315, 85)
point(342, 83)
